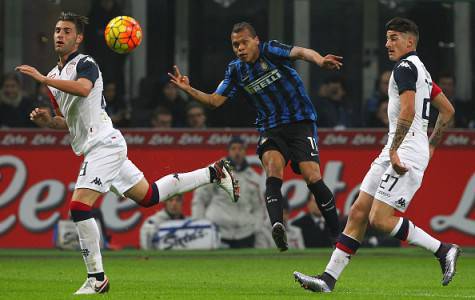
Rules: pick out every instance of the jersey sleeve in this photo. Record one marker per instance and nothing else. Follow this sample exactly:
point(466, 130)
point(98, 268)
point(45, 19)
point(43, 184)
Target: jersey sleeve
point(275, 48)
point(227, 87)
point(87, 68)
point(405, 75)
point(436, 90)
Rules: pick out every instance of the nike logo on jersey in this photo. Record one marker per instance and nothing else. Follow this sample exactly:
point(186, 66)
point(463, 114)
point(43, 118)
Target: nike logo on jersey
point(313, 154)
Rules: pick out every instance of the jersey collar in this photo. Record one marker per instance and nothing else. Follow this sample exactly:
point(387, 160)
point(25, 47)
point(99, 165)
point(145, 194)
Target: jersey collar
point(70, 57)
point(408, 54)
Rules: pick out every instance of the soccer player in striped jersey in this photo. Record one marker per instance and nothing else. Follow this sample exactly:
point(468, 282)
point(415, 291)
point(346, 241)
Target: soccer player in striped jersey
point(396, 174)
point(286, 118)
point(76, 87)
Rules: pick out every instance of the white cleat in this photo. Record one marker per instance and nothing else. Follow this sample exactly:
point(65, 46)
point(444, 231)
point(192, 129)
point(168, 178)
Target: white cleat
point(92, 286)
point(315, 284)
point(226, 180)
point(448, 264)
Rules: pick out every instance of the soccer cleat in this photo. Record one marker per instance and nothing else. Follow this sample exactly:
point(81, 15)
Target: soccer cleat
point(92, 286)
point(280, 236)
point(226, 180)
point(448, 263)
point(313, 283)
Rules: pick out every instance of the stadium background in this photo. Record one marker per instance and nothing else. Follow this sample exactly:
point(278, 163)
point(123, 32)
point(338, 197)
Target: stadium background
point(195, 35)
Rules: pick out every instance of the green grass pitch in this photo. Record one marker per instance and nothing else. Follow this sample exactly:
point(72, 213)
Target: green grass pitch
point(228, 274)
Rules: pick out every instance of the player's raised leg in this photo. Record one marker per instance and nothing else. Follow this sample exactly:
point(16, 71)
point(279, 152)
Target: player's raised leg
point(382, 218)
point(347, 244)
point(89, 238)
point(220, 172)
point(274, 164)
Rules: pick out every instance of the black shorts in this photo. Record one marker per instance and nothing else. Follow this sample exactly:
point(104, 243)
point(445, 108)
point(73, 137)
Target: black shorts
point(296, 142)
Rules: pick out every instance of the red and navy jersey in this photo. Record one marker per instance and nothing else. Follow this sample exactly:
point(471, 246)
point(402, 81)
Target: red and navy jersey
point(271, 85)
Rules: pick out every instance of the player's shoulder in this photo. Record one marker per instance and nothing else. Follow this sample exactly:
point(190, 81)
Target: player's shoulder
point(276, 46)
point(85, 59)
point(234, 65)
point(406, 66)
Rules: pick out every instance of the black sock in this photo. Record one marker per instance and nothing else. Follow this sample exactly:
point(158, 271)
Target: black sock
point(329, 280)
point(98, 276)
point(274, 200)
point(326, 204)
point(212, 174)
point(442, 251)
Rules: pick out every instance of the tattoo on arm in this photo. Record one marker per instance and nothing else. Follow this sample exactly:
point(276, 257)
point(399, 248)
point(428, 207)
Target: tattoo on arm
point(402, 129)
point(440, 126)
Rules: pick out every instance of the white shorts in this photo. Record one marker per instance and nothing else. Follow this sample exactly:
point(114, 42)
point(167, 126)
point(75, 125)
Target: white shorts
point(106, 165)
point(384, 184)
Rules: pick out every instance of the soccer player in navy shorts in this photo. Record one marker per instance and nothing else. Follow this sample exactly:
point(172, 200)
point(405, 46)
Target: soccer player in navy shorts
point(286, 117)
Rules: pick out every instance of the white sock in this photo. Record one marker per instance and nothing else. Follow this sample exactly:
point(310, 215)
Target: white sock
point(89, 238)
point(419, 237)
point(337, 263)
point(416, 236)
point(179, 183)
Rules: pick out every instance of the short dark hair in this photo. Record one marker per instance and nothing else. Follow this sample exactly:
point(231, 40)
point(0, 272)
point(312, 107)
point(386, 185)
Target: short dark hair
point(79, 21)
point(12, 76)
point(192, 105)
point(403, 25)
point(445, 74)
point(161, 110)
point(238, 27)
point(235, 139)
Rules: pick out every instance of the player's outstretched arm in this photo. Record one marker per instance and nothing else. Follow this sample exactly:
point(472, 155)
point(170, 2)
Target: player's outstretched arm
point(446, 114)
point(42, 117)
point(329, 61)
point(81, 87)
point(183, 82)
point(404, 122)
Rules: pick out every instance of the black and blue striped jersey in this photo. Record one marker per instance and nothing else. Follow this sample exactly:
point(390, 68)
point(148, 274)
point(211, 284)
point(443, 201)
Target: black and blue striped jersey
point(271, 85)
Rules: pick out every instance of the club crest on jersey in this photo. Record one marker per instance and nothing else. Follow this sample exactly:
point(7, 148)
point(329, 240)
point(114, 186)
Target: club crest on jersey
point(264, 65)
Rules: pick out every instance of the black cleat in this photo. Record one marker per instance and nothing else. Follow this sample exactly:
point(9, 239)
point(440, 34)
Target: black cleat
point(280, 236)
point(312, 283)
point(448, 263)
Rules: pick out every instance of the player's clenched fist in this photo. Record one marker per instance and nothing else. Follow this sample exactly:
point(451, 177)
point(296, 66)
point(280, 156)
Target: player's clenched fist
point(41, 117)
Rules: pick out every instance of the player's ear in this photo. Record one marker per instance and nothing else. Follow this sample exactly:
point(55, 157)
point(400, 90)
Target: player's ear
point(79, 38)
point(411, 41)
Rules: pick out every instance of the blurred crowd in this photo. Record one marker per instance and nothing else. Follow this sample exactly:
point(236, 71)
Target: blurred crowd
point(161, 105)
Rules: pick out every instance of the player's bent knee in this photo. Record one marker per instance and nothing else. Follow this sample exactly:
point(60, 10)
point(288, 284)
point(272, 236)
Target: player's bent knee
point(377, 221)
point(310, 172)
point(312, 177)
point(358, 214)
point(274, 170)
